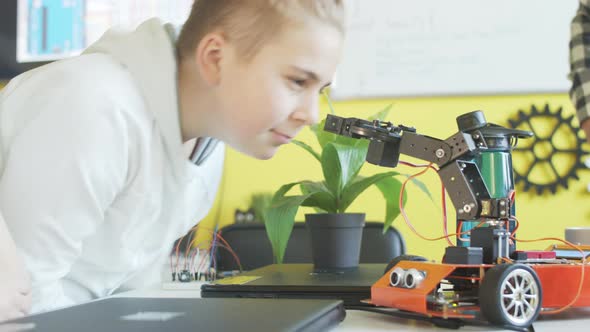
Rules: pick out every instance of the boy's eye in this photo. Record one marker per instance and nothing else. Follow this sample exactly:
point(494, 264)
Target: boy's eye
point(301, 83)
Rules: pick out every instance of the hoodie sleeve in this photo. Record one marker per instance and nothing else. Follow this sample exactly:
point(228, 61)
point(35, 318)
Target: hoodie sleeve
point(15, 292)
point(61, 173)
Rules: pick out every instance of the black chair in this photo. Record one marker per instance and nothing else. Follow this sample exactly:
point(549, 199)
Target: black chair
point(250, 243)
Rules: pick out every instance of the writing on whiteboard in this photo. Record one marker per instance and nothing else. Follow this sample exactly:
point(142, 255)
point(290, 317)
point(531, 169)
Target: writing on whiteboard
point(454, 47)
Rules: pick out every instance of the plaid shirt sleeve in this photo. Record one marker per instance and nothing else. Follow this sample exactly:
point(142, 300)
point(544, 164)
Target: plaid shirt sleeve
point(580, 61)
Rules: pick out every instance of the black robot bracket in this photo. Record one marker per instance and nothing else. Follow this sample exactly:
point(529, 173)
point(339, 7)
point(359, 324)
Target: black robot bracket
point(461, 177)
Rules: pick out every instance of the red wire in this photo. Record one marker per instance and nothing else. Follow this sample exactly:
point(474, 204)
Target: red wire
point(193, 255)
point(203, 260)
point(443, 199)
point(459, 227)
point(232, 252)
point(515, 228)
point(177, 253)
point(171, 265)
point(189, 245)
point(444, 212)
point(511, 196)
point(228, 247)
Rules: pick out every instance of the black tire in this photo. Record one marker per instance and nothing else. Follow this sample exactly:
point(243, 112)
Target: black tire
point(400, 258)
point(511, 294)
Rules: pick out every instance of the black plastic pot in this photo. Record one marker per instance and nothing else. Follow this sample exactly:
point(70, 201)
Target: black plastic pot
point(335, 240)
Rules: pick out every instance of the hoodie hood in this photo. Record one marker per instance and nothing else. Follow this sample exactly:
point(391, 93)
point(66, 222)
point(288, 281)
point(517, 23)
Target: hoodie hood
point(148, 53)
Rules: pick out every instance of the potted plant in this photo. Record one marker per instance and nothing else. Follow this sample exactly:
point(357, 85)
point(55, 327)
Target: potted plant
point(335, 233)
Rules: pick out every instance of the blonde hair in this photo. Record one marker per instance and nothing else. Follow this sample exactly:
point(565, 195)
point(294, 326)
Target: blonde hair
point(252, 23)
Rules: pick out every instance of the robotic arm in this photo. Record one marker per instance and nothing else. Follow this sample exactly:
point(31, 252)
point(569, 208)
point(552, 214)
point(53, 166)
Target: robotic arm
point(454, 156)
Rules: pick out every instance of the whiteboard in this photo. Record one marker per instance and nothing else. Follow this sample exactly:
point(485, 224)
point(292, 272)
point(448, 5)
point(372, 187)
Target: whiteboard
point(454, 47)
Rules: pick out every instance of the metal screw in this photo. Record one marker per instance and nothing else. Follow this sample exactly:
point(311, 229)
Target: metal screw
point(476, 136)
point(467, 208)
point(502, 212)
point(440, 153)
point(502, 203)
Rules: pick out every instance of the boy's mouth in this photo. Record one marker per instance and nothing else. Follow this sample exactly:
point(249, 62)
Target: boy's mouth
point(281, 137)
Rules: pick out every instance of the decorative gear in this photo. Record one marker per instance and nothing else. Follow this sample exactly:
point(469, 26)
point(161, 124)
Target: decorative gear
point(545, 148)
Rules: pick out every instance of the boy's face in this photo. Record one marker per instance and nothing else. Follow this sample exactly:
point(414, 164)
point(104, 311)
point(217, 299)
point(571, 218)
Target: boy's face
point(265, 102)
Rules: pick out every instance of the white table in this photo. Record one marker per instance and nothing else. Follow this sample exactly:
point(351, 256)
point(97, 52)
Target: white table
point(574, 320)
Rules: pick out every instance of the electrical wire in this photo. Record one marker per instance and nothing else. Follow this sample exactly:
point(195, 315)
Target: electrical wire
point(226, 245)
point(443, 195)
point(446, 236)
point(426, 167)
point(231, 251)
point(192, 235)
point(189, 245)
point(177, 253)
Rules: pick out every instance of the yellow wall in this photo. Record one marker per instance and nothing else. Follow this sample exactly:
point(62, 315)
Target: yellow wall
point(540, 216)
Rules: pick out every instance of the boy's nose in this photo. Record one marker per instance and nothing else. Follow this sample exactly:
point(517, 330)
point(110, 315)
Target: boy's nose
point(308, 114)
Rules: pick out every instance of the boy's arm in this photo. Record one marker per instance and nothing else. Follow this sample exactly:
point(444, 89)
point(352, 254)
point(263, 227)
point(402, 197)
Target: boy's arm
point(62, 173)
point(15, 285)
point(580, 65)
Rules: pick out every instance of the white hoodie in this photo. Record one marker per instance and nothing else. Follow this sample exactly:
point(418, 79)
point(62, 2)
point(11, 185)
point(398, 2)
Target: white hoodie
point(95, 183)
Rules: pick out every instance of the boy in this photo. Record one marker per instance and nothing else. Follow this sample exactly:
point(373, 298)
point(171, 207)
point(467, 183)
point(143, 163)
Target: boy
point(95, 184)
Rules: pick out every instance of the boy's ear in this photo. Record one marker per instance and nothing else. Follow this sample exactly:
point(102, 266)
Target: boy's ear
point(208, 57)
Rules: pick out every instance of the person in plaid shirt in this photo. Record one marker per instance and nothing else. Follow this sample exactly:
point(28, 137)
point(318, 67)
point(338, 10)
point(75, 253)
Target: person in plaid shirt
point(580, 65)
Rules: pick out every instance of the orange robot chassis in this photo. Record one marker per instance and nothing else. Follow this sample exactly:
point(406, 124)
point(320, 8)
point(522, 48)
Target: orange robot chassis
point(503, 294)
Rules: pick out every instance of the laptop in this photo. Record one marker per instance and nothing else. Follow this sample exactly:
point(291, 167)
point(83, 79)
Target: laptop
point(190, 315)
point(298, 281)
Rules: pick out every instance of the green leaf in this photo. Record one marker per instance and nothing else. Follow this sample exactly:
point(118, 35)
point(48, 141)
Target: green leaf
point(332, 169)
point(322, 199)
point(381, 115)
point(341, 164)
point(422, 186)
point(280, 217)
point(279, 220)
point(360, 143)
point(352, 159)
point(391, 189)
point(283, 190)
point(325, 137)
point(329, 101)
point(360, 184)
point(307, 148)
point(322, 136)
